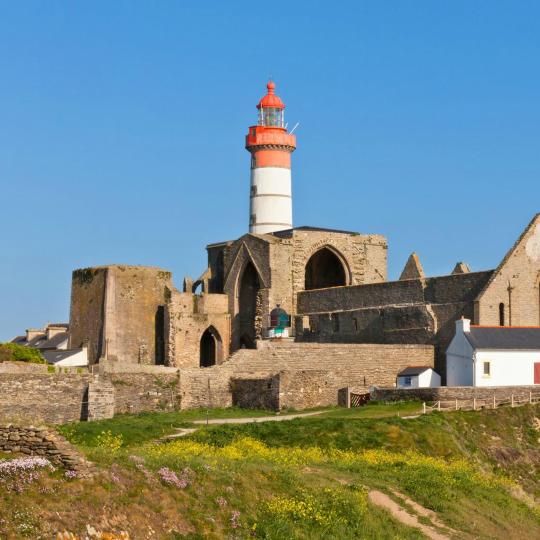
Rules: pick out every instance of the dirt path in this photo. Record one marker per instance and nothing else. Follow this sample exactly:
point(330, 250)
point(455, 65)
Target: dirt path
point(404, 516)
point(252, 419)
point(183, 432)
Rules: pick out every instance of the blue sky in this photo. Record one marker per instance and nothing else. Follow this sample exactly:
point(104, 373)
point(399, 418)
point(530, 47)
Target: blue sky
point(122, 127)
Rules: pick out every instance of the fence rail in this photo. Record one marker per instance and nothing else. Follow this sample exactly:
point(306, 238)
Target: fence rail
point(475, 404)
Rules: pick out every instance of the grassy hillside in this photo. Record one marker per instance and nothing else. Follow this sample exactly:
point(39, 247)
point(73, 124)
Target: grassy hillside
point(308, 478)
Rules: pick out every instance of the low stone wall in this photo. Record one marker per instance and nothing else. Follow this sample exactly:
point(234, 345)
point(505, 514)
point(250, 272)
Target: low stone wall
point(256, 393)
point(42, 442)
point(58, 398)
point(22, 367)
point(307, 389)
point(43, 397)
point(448, 393)
point(145, 392)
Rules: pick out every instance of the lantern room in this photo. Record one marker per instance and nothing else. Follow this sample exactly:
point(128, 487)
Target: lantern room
point(271, 109)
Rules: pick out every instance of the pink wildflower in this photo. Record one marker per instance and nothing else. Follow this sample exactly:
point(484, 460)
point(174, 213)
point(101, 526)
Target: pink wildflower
point(234, 519)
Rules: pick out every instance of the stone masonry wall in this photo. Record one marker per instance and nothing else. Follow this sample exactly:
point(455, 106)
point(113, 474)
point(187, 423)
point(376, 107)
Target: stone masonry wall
point(60, 398)
point(515, 284)
point(42, 442)
point(146, 392)
point(453, 392)
point(256, 393)
point(407, 311)
point(43, 397)
point(87, 311)
point(190, 316)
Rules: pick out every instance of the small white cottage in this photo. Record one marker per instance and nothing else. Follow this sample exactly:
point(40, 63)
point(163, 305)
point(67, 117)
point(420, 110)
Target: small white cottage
point(493, 356)
point(418, 377)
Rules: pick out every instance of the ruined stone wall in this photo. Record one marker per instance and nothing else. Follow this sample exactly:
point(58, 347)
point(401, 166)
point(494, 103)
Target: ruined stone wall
point(256, 393)
point(87, 311)
point(364, 256)
point(60, 398)
point(453, 392)
point(281, 263)
point(190, 316)
point(134, 296)
point(43, 397)
point(515, 284)
point(39, 441)
point(281, 259)
point(145, 392)
point(407, 311)
point(115, 309)
point(249, 248)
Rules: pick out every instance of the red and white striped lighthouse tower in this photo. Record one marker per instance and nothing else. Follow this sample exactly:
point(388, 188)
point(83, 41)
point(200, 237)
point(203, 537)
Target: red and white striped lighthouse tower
point(271, 147)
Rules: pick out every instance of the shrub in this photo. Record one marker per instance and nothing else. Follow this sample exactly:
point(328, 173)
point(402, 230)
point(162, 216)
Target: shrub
point(18, 353)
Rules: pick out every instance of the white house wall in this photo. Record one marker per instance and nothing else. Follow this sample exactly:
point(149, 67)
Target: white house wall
point(459, 365)
point(508, 368)
point(429, 379)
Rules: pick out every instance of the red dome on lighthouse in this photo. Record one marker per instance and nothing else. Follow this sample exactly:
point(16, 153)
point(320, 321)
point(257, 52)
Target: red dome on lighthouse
point(271, 100)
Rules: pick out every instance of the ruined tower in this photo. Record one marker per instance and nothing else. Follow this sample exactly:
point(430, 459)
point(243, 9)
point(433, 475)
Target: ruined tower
point(271, 147)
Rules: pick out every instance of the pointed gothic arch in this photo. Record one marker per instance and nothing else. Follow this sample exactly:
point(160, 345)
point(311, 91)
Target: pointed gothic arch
point(249, 285)
point(325, 268)
point(210, 350)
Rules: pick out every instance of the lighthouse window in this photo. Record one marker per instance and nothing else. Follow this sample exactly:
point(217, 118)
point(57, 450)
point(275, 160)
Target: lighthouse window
point(272, 117)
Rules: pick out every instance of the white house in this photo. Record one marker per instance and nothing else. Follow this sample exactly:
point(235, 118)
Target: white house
point(493, 356)
point(418, 377)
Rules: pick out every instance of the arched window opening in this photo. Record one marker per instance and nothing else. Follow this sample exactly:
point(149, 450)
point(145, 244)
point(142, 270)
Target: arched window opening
point(247, 305)
point(198, 287)
point(159, 336)
point(501, 314)
point(210, 347)
point(324, 269)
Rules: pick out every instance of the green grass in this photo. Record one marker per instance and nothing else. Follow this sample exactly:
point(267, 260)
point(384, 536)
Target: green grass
point(136, 429)
point(300, 479)
point(139, 428)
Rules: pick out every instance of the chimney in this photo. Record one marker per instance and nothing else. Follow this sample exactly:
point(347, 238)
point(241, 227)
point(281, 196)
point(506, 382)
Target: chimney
point(32, 333)
point(463, 325)
point(53, 330)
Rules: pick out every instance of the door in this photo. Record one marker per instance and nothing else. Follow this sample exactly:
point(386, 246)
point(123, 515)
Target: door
point(537, 373)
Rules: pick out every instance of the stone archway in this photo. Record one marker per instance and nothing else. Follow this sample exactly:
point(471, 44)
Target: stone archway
point(210, 347)
point(324, 269)
point(248, 308)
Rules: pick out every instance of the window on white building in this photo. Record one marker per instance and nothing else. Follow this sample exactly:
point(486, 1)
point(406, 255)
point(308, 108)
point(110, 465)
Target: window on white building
point(407, 381)
point(487, 369)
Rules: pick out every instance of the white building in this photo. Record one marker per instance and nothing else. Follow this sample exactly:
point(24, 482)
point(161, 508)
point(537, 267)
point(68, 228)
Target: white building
point(418, 377)
point(493, 356)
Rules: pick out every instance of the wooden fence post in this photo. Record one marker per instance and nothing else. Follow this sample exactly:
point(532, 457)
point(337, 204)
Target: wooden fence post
point(494, 402)
point(512, 401)
point(424, 407)
point(456, 405)
point(438, 406)
point(474, 404)
point(530, 397)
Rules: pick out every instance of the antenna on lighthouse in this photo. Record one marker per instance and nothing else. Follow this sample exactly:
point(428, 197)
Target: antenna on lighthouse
point(296, 125)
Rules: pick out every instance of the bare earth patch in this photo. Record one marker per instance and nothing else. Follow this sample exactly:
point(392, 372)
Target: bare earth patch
point(403, 516)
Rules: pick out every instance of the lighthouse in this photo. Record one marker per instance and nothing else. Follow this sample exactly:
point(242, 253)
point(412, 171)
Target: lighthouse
point(270, 146)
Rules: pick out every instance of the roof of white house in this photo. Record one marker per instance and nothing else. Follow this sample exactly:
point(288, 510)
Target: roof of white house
point(413, 370)
point(53, 357)
point(504, 337)
point(54, 342)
